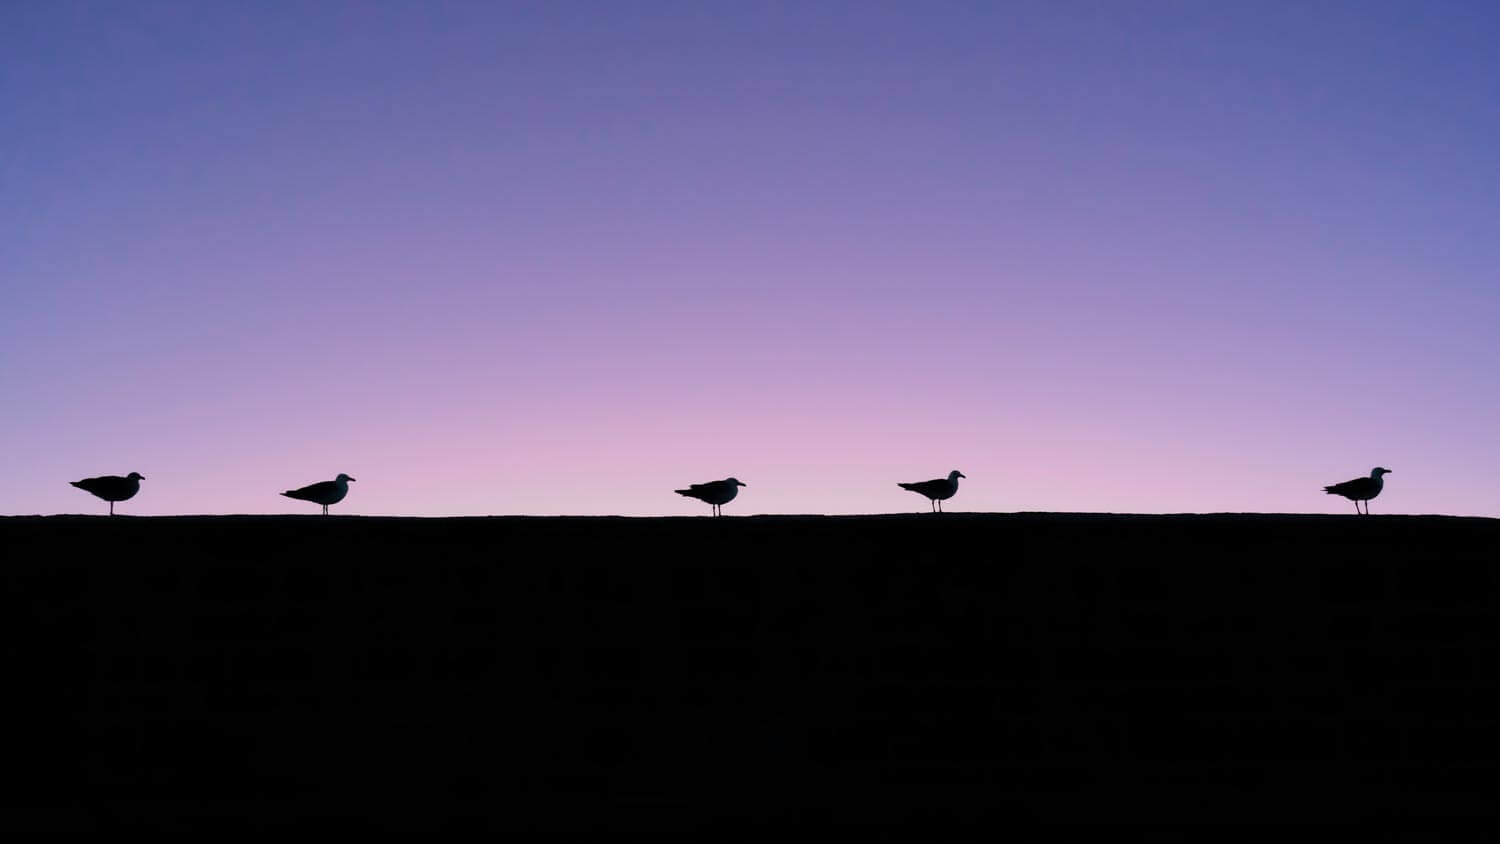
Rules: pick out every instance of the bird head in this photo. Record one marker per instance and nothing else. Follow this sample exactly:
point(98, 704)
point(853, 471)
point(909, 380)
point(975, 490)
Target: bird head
point(736, 481)
point(1379, 471)
point(343, 477)
point(955, 475)
point(135, 476)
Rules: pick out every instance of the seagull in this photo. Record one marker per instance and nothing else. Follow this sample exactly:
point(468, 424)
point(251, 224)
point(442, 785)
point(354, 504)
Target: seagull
point(112, 488)
point(323, 492)
point(938, 490)
point(717, 493)
point(1361, 489)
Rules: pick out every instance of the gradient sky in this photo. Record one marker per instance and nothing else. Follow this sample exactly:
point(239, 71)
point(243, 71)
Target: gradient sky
point(563, 257)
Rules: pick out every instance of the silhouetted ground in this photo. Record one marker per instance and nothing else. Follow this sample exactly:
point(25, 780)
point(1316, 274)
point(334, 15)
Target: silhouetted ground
point(883, 676)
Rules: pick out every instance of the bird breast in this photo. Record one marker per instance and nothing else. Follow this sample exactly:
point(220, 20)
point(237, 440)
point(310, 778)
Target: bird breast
point(721, 495)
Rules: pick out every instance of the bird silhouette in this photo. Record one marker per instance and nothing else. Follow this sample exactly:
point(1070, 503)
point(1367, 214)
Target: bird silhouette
point(323, 492)
point(112, 488)
point(938, 490)
point(1361, 489)
point(717, 493)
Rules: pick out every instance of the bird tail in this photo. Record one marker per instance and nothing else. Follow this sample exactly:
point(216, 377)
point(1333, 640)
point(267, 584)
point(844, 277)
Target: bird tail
point(911, 487)
point(1329, 490)
point(683, 491)
point(288, 494)
point(78, 484)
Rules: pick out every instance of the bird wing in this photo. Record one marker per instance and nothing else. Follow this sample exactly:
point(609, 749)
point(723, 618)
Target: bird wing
point(1356, 487)
point(104, 486)
point(927, 488)
point(713, 492)
point(313, 492)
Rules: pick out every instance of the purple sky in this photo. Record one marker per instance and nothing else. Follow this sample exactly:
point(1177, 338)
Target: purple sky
point(564, 257)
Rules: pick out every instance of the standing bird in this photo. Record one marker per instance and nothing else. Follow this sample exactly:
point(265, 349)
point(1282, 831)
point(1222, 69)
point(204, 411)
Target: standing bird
point(323, 492)
point(938, 490)
point(1361, 489)
point(112, 488)
point(717, 493)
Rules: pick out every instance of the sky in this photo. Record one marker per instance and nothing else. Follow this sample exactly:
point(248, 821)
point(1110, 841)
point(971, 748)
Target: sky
point(565, 257)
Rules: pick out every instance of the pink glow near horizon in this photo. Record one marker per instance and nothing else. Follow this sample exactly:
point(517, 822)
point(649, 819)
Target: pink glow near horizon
point(537, 260)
